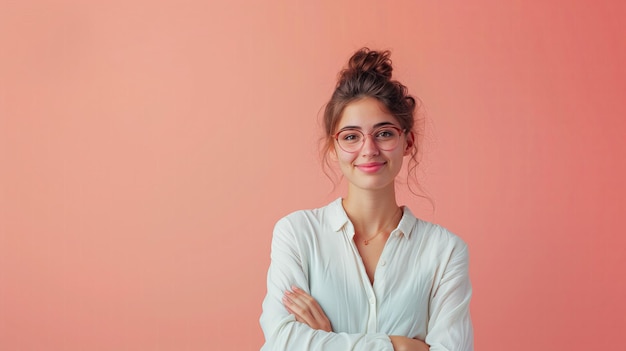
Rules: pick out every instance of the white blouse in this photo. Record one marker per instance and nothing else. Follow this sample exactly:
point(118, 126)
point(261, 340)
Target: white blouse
point(421, 285)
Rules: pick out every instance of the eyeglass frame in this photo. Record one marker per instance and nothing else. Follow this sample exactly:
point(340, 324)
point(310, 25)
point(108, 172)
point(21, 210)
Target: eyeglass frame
point(371, 134)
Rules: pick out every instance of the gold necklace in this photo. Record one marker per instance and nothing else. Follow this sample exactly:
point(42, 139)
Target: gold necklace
point(367, 241)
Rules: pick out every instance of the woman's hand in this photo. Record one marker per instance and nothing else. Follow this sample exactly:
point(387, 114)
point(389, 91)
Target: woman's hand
point(306, 309)
point(402, 343)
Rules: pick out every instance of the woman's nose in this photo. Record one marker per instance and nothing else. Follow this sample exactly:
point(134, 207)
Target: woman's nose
point(369, 146)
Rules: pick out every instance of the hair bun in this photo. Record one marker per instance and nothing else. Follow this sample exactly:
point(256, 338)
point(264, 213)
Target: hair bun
point(366, 60)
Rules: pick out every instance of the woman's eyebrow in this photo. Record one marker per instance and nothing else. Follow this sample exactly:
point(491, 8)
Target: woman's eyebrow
point(381, 124)
point(350, 127)
point(377, 125)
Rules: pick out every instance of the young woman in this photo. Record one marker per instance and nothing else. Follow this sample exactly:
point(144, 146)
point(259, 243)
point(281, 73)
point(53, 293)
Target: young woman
point(363, 273)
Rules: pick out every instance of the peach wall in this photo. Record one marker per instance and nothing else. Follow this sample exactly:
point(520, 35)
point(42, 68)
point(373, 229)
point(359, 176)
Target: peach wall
point(147, 148)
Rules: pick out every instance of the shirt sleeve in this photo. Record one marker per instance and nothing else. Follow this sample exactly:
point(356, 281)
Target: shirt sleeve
point(282, 332)
point(450, 326)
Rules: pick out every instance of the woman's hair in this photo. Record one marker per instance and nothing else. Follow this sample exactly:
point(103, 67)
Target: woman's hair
point(368, 75)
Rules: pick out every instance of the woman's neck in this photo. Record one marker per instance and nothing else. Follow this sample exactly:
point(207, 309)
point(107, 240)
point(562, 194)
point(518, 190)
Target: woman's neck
point(370, 210)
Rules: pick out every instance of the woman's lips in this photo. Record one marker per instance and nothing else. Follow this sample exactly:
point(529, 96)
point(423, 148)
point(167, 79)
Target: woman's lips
point(371, 167)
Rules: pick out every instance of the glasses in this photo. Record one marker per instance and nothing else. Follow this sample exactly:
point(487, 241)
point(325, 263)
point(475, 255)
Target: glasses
point(386, 138)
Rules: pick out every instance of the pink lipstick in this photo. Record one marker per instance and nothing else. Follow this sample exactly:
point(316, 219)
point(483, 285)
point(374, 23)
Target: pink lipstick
point(371, 167)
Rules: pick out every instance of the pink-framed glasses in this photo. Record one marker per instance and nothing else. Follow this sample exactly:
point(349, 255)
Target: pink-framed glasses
point(386, 138)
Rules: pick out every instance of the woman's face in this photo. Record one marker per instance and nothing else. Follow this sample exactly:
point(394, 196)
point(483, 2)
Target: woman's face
point(370, 167)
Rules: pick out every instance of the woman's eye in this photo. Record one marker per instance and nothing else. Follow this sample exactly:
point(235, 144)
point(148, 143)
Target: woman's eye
point(386, 134)
point(350, 137)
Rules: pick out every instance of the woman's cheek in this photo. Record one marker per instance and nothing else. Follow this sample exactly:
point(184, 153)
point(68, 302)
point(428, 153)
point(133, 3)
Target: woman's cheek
point(345, 160)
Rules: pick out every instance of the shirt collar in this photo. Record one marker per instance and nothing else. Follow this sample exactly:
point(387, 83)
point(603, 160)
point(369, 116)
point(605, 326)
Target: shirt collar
point(407, 223)
point(339, 218)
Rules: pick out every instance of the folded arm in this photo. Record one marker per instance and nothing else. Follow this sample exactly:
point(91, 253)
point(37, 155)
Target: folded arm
point(282, 330)
point(308, 311)
point(293, 320)
point(450, 326)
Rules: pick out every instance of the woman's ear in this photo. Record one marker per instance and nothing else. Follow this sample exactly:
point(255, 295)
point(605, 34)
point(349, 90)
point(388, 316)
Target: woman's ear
point(410, 141)
point(332, 152)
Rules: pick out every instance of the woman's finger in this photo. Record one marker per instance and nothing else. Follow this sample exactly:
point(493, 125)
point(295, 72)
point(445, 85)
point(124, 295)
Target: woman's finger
point(304, 306)
point(299, 309)
point(298, 318)
point(305, 303)
point(313, 307)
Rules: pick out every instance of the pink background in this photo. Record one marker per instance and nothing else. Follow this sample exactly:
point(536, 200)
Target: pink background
point(147, 148)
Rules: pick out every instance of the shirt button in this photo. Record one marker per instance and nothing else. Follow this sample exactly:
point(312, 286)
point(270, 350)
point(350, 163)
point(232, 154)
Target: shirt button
point(383, 262)
point(372, 300)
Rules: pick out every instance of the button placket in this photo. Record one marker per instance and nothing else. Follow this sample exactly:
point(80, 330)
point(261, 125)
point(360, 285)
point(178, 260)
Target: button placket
point(372, 319)
point(373, 315)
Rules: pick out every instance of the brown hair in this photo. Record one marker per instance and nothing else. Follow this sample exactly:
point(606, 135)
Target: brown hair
point(369, 75)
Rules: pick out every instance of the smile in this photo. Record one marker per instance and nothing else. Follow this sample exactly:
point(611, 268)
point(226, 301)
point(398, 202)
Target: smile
point(371, 167)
